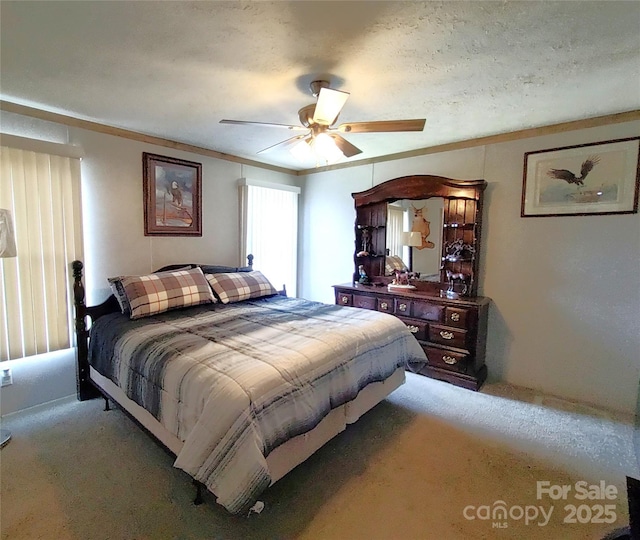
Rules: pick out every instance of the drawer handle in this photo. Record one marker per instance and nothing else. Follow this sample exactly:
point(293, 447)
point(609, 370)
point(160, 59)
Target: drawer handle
point(345, 299)
point(413, 329)
point(455, 317)
point(384, 306)
point(446, 335)
point(449, 360)
point(402, 307)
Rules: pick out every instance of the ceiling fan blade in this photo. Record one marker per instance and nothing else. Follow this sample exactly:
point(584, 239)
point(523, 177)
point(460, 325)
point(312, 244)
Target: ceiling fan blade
point(329, 105)
point(345, 146)
point(266, 124)
point(383, 126)
point(282, 144)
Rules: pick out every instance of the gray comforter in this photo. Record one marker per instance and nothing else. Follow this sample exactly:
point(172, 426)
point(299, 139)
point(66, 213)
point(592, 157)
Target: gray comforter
point(235, 381)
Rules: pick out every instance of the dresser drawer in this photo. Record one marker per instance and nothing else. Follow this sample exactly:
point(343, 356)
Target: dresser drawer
point(344, 299)
point(420, 329)
point(447, 359)
point(456, 317)
point(427, 311)
point(453, 337)
point(385, 304)
point(364, 302)
point(402, 306)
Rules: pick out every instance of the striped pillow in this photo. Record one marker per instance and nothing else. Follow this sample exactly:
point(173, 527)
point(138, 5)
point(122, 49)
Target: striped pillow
point(118, 290)
point(157, 293)
point(234, 287)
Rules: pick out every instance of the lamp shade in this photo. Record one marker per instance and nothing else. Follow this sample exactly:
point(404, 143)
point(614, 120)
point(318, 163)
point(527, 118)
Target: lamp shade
point(412, 239)
point(415, 239)
point(7, 236)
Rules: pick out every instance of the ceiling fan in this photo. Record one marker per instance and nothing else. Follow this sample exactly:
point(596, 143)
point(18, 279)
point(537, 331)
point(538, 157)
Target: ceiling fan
point(317, 120)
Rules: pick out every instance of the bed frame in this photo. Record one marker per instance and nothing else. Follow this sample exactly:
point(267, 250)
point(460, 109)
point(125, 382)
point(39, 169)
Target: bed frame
point(90, 384)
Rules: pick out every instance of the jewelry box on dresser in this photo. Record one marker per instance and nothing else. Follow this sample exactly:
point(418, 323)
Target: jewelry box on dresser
point(433, 292)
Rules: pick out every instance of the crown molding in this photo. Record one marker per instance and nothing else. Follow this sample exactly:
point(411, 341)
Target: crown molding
point(71, 121)
point(617, 118)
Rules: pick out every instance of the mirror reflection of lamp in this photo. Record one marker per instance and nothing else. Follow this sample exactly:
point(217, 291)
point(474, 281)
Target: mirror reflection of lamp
point(411, 239)
point(7, 249)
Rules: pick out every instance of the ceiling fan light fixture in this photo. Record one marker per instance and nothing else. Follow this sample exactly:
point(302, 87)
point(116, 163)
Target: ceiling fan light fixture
point(325, 148)
point(321, 148)
point(301, 150)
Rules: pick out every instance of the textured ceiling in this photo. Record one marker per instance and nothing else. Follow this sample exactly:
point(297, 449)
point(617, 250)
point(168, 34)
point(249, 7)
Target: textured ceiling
point(175, 69)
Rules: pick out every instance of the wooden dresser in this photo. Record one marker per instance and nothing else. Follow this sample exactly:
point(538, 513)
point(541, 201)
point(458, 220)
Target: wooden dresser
point(452, 332)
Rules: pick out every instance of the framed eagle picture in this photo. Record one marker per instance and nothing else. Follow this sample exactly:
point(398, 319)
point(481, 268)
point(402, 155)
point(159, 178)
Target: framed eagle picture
point(172, 196)
point(586, 179)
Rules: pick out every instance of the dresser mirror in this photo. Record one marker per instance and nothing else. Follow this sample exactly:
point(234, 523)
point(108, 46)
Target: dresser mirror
point(428, 225)
point(414, 236)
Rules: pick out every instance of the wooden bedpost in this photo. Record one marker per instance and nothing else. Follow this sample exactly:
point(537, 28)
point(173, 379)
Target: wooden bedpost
point(84, 389)
point(250, 259)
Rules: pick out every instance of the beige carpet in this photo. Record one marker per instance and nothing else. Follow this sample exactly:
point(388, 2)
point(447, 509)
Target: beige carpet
point(406, 470)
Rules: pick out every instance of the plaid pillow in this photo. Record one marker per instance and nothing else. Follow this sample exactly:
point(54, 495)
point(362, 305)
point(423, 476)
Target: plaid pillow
point(118, 290)
point(157, 293)
point(234, 287)
point(392, 263)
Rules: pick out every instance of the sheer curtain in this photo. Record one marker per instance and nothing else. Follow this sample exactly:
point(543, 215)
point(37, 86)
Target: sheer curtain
point(42, 193)
point(269, 230)
point(395, 216)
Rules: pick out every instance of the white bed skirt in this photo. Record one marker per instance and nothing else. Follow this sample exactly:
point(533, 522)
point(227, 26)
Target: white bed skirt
point(288, 455)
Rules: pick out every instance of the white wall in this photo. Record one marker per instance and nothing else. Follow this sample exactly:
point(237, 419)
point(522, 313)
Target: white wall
point(326, 236)
point(114, 219)
point(566, 296)
point(565, 316)
point(38, 379)
point(114, 241)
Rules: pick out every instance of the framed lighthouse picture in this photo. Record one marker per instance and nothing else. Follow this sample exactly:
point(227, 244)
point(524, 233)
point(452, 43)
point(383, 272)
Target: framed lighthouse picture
point(586, 179)
point(172, 196)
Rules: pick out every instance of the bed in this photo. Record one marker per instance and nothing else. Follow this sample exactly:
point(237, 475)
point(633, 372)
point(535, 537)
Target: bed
point(241, 388)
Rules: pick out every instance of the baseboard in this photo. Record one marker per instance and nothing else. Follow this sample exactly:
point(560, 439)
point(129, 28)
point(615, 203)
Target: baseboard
point(39, 406)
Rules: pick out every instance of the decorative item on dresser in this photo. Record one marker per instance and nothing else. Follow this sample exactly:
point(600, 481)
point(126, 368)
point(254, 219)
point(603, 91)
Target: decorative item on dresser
point(441, 310)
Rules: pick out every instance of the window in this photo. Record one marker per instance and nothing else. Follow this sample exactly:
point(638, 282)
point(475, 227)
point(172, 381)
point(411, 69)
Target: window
point(42, 193)
point(269, 230)
point(395, 227)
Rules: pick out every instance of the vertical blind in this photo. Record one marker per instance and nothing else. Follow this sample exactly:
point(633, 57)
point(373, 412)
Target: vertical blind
point(42, 193)
point(269, 230)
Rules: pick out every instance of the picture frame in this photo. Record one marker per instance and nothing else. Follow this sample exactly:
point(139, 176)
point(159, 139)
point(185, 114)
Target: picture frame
point(587, 179)
point(172, 196)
